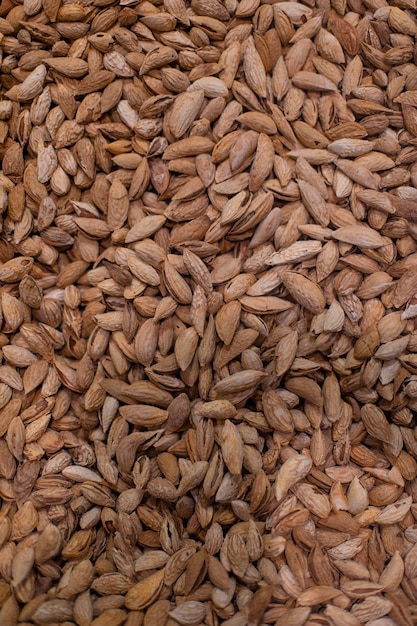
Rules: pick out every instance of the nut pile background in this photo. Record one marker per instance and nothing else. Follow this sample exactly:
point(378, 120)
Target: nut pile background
point(208, 295)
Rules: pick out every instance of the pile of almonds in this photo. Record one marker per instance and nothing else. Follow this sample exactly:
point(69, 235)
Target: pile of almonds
point(208, 304)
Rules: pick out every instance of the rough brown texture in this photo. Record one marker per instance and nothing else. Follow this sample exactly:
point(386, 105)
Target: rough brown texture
point(208, 294)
